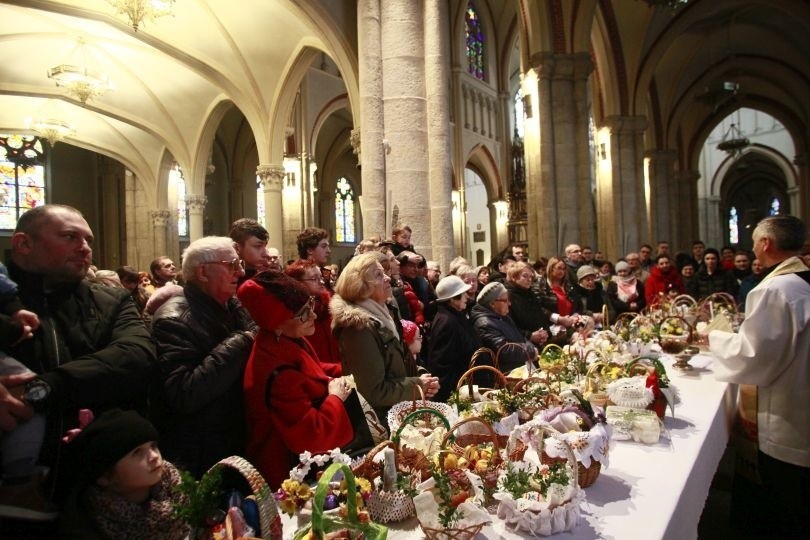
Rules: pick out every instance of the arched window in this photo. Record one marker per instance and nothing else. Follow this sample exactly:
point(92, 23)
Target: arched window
point(519, 112)
point(176, 178)
point(344, 211)
point(733, 227)
point(774, 207)
point(475, 42)
point(22, 177)
point(260, 211)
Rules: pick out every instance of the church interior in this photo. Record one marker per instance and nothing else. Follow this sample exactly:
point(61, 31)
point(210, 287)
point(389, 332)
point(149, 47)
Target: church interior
point(480, 123)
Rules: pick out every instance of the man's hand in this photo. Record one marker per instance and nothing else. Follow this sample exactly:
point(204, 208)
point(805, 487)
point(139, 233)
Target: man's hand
point(29, 321)
point(12, 408)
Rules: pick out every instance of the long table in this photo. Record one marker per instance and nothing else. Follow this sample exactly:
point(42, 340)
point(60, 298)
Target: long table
point(648, 491)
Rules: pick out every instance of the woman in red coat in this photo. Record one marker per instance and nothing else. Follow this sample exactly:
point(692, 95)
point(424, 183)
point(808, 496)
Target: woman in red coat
point(291, 404)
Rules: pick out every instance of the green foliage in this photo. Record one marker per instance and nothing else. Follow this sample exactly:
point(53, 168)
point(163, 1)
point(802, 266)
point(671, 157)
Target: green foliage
point(449, 514)
point(199, 498)
point(518, 482)
point(463, 404)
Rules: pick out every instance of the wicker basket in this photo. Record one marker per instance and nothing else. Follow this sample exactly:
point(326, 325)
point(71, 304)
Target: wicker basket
point(452, 533)
point(269, 518)
point(383, 506)
point(519, 348)
point(398, 412)
point(467, 377)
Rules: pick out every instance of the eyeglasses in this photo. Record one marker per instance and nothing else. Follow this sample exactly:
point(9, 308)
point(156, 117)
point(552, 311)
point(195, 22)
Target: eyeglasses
point(235, 264)
point(502, 300)
point(306, 311)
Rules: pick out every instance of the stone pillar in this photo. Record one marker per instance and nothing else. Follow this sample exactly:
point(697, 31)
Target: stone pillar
point(558, 184)
point(196, 209)
point(160, 223)
point(800, 201)
point(691, 218)
point(272, 180)
point(663, 218)
point(437, 79)
point(716, 234)
point(404, 104)
point(621, 209)
point(372, 125)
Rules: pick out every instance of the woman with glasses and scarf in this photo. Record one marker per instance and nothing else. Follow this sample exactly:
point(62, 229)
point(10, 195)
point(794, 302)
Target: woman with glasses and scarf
point(625, 291)
point(291, 404)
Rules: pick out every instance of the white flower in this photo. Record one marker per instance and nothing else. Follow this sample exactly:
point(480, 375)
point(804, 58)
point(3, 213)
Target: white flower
point(305, 456)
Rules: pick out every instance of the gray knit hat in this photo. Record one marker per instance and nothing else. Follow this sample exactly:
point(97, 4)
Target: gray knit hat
point(490, 293)
point(621, 265)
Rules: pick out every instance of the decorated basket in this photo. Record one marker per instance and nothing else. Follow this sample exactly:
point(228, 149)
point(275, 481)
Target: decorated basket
point(350, 526)
point(398, 412)
point(473, 391)
point(415, 453)
point(555, 511)
point(239, 471)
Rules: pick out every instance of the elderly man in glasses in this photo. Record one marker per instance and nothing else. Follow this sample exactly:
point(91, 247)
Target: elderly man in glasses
point(204, 337)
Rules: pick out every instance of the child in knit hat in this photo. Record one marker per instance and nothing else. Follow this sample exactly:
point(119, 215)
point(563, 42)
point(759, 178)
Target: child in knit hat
point(124, 488)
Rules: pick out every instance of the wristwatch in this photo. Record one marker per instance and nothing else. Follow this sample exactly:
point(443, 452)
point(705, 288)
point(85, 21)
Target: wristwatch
point(37, 392)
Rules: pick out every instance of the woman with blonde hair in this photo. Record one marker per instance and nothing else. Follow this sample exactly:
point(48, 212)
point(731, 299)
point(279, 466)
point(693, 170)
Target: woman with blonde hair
point(370, 346)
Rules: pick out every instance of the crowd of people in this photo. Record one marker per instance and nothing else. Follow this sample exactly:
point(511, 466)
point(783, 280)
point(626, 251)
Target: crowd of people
point(237, 354)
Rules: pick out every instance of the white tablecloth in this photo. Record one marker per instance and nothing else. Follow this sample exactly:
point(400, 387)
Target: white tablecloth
point(649, 491)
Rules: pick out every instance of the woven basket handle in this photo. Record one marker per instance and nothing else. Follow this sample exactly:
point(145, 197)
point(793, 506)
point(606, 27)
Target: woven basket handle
point(492, 435)
point(417, 393)
point(520, 348)
point(367, 462)
point(467, 376)
point(483, 351)
point(320, 496)
point(415, 415)
point(521, 385)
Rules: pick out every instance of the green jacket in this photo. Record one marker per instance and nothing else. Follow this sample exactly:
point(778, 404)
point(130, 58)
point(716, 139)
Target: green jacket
point(374, 355)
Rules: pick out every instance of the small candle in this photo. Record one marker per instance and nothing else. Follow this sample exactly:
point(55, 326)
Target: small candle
point(389, 470)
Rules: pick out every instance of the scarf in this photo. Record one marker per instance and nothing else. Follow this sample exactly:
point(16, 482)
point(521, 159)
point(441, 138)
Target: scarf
point(118, 518)
point(379, 313)
point(626, 288)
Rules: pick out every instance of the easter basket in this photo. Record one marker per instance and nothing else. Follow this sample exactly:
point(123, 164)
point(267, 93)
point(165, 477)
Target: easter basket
point(240, 474)
point(398, 412)
point(350, 526)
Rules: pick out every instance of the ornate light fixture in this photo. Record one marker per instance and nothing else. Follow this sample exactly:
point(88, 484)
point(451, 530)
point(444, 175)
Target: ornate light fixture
point(138, 10)
point(49, 125)
point(733, 141)
point(80, 82)
point(52, 129)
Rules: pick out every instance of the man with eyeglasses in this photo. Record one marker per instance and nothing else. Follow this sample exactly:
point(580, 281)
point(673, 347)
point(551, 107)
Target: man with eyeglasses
point(204, 337)
point(573, 260)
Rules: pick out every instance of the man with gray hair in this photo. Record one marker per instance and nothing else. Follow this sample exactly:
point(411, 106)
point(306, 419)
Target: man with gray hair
point(204, 337)
point(772, 351)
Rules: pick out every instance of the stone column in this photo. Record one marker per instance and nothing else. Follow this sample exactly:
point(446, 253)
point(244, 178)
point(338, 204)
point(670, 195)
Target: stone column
point(691, 219)
point(404, 104)
point(196, 209)
point(437, 79)
point(800, 201)
point(559, 178)
point(621, 209)
point(662, 211)
point(715, 234)
point(160, 223)
point(272, 180)
point(372, 125)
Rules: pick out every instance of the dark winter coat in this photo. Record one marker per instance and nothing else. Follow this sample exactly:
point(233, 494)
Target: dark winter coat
point(703, 284)
point(203, 347)
point(496, 330)
point(527, 311)
point(452, 343)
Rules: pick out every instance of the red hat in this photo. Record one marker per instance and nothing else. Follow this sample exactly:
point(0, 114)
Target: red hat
point(408, 331)
point(272, 297)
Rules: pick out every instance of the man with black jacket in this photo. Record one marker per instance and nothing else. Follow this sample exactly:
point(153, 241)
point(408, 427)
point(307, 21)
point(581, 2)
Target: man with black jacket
point(91, 349)
point(204, 337)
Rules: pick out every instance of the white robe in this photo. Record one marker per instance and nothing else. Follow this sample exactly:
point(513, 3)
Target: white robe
point(772, 351)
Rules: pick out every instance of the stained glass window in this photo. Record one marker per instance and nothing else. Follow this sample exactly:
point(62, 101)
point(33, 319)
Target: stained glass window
point(344, 211)
point(22, 177)
point(475, 42)
point(733, 228)
point(774, 210)
point(176, 177)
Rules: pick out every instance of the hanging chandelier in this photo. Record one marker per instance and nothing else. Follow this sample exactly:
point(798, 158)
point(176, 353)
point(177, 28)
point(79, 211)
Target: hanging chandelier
point(52, 129)
point(80, 81)
point(733, 141)
point(49, 124)
point(139, 10)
